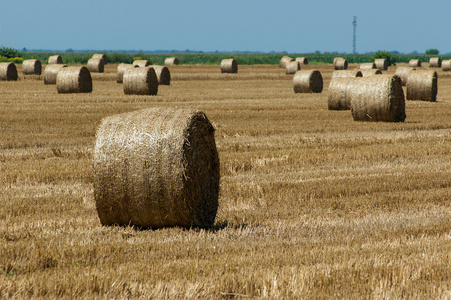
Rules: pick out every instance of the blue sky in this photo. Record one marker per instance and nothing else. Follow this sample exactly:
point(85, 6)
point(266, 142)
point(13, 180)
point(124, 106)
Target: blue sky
point(229, 25)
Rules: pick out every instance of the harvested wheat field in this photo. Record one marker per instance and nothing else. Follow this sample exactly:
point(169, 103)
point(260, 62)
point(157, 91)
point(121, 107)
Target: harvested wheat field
point(312, 204)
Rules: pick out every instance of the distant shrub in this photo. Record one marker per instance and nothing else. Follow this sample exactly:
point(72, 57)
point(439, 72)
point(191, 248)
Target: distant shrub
point(391, 58)
point(9, 52)
point(432, 51)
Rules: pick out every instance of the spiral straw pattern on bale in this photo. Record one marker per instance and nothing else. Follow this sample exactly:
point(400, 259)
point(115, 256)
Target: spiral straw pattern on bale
point(403, 72)
point(96, 65)
point(140, 81)
point(339, 97)
point(121, 69)
point(435, 62)
point(302, 60)
point(74, 79)
point(141, 63)
point(283, 61)
point(55, 59)
point(414, 63)
point(156, 168)
point(346, 73)
point(370, 72)
point(446, 65)
point(100, 55)
point(51, 71)
point(163, 74)
point(340, 63)
point(308, 81)
point(229, 66)
point(367, 66)
point(8, 71)
point(171, 61)
point(32, 67)
point(292, 67)
point(381, 64)
point(377, 98)
point(422, 85)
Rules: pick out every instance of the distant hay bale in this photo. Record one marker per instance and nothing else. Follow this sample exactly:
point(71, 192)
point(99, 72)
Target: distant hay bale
point(378, 98)
point(140, 81)
point(283, 61)
point(381, 64)
point(156, 168)
point(446, 65)
point(340, 63)
point(402, 72)
point(368, 66)
point(32, 67)
point(121, 69)
point(370, 72)
point(51, 71)
point(229, 66)
point(163, 74)
point(339, 97)
point(302, 60)
point(74, 79)
point(96, 65)
point(435, 62)
point(308, 81)
point(414, 63)
point(292, 67)
point(171, 61)
point(141, 63)
point(422, 85)
point(346, 73)
point(8, 71)
point(55, 59)
point(100, 55)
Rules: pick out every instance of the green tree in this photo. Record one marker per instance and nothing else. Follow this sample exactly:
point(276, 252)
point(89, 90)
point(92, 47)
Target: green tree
point(391, 58)
point(9, 52)
point(432, 51)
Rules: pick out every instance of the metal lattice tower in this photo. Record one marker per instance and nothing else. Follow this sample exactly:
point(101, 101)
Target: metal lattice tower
point(354, 38)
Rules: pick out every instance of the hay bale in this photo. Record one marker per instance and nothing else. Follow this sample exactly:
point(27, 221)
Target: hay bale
point(302, 60)
point(377, 98)
point(156, 168)
point(121, 69)
point(140, 81)
point(8, 71)
point(55, 59)
point(171, 61)
point(414, 63)
point(141, 63)
point(402, 72)
point(96, 65)
point(292, 67)
point(446, 65)
point(435, 62)
point(370, 72)
point(100, 55)
point(229, 66)
point(75, 79)
point(422, 85)
point(368, 66)
point(340, 63)
point(32, 67)
point(283, 61)
point(339, 97)
point(163, 74)
point(308, 81)
point(346, 73)
point(51, 71)
point(381, 64)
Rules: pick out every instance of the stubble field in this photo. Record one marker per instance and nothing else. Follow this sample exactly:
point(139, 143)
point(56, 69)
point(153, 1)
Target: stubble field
point(312, 203)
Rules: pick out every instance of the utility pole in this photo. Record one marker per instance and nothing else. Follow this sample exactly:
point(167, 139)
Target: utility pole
point(354, 38)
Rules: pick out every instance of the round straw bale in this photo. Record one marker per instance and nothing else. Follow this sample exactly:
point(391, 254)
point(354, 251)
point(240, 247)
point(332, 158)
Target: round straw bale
point(96, 65)
point(381, 64)
point(340, 63)
point(435, 62)
point(302, 60)
point(51, 71)
point(229, 66)
point(339, 97)
point(140, 81)
point(141, 63)
point(121, 69)
point(8, 71)
point(371, 72)
point(292, 67)
point(100, 55)
point(156, 168)
point(402, 72)
point(377, 98)
point(283, 61)
point(414, 63)
point(346, 73)
point(55, 59)
point(32, 67)
point(368, 66)
point(446, 65)
point(163, 74)
point(308, 81)
point(422, 85)
point(171, 61)
point(74, 79)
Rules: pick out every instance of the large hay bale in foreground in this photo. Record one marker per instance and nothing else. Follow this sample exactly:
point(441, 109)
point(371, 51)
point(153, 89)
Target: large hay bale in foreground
point(308, 81)
point(100, 55)
point(51, 71)
point(292, 67)
point(403, 72)
point(163, 74)
point(378, 98)
point(422, 85)
point(74, 79)
point(32, 67)
point(283, 61)
point(121, 69)
point(302, 60)
point(370, 72)
point(141, 63)
point(381, 64)
point(368, 66)
point(446, 65)
point(96, 65)
point(414, 63)
point(171, 61)
point(8, 71)
point(340, 63)
point(229, 66)
point(339, 97)
point(140, 81)
point(156, 168)
point(346, 73)
point(55, 59)
point(435, 62)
